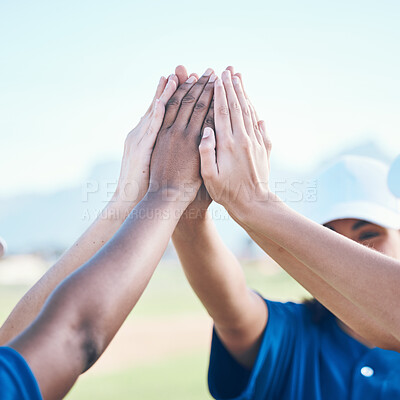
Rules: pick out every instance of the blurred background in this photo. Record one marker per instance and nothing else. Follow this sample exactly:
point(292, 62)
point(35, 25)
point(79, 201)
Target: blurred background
point(76, 76)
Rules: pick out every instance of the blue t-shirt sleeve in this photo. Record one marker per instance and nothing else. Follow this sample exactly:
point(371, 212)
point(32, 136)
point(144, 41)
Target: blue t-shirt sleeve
point(17, 381)
point(227, 379)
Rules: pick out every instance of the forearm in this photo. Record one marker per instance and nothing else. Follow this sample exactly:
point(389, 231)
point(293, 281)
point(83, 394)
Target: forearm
point(239, 314)
point(358, 273)
point(98, 234)
point(343, 308)
point(104, 290)
point(213, 272)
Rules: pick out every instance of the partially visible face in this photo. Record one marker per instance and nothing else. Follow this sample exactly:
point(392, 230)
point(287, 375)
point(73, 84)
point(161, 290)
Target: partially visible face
point(384, 240)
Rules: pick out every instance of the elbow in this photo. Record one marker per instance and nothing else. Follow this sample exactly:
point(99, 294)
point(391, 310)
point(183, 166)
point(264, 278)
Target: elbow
point(90, 353)
point(92, 344)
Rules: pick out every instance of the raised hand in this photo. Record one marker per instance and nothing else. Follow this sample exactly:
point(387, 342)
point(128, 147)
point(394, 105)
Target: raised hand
point(175, 163)
point(235, 161)
point(134, 177)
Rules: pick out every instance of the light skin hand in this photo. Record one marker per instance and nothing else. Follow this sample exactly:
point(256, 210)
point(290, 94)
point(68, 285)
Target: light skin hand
point(135, 168)
point(327, 294)
point(234, 162)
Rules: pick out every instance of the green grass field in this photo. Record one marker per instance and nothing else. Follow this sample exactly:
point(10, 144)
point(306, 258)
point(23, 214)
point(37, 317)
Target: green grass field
point(163, 348)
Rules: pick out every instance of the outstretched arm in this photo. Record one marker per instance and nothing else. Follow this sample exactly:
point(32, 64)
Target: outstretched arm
point(239, 314)
point(217, 277)
point(86, 310)
point(245, 194)
point(132, 186)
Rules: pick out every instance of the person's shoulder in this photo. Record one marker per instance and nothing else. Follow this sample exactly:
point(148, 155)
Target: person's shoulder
point(297, 316)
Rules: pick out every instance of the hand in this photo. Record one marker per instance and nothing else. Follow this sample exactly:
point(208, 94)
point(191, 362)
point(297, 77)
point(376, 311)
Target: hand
point(235, 161)
point(175, 163)
point(134, 176)
point(198, 208)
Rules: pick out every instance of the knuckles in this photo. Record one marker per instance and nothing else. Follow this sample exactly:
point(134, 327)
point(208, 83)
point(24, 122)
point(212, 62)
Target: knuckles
point(173, 102)
point(188, 99)
point(235, 106)
point(223, 110)
point(209, 121)
point(200, 105)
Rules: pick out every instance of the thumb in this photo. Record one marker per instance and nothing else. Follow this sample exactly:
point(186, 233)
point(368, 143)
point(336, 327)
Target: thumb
point(208, 160)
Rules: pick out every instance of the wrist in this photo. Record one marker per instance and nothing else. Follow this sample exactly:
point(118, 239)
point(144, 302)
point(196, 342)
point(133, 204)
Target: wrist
point(120, 204)
point(248, 211)
point(168, 201)
point(192, 222)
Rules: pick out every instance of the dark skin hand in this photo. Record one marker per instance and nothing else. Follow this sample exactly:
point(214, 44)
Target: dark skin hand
point(176, 134)
point(202, 201)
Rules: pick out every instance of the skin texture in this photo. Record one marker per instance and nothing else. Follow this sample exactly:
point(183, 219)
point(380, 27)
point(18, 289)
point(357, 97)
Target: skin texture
point(132, 185)
point(84, 312)
point(240, 316)
point(351, 275)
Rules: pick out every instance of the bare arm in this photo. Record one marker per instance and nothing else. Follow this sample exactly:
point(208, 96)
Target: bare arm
point(342, 307)
point(217, 278)
point(349, 272)
point(360, 275)
point(86, 310)
point(83, 314)
point(132, 186)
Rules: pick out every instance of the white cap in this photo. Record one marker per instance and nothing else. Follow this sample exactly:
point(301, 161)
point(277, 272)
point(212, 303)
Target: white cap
point(355, 187)
point(394, 177)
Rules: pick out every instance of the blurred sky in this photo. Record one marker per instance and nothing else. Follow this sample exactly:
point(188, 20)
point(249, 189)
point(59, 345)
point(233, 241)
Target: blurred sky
point(75, 76)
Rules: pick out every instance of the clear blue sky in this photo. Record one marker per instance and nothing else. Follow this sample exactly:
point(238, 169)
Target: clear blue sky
point(75, 76)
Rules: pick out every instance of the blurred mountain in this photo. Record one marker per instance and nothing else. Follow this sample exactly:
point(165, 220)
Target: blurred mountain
point(49, 223)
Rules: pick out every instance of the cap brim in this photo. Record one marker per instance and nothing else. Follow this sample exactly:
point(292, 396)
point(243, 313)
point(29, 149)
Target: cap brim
point(394, 177)
point(365, 211)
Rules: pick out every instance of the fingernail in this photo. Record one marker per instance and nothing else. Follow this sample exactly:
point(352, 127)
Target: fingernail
point(226, 74)
point(213, 77)
point(171, 76)
point(162, 78)
point(208, 72)
point(206, 133)
point(191, 79)
point(219, 82)
point(236, 80)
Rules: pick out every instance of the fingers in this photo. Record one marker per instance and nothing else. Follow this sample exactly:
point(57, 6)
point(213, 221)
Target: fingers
point(254, 119)
point(181, 73)
point(190, 100)
point(160, 87)
point(244, 105)
point(208, 162)
point(156, 121)
point(223, 126)
point(265, 137)
point(157, 111)
point(235, 110)
point(239, 75)
point(231, 70)
point(169, 90)
point(174, 103)
point(209, 120)
point(202, 106)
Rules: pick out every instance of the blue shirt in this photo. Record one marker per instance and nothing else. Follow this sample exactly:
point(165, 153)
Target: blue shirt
point(16, 378)
point(301, 360)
